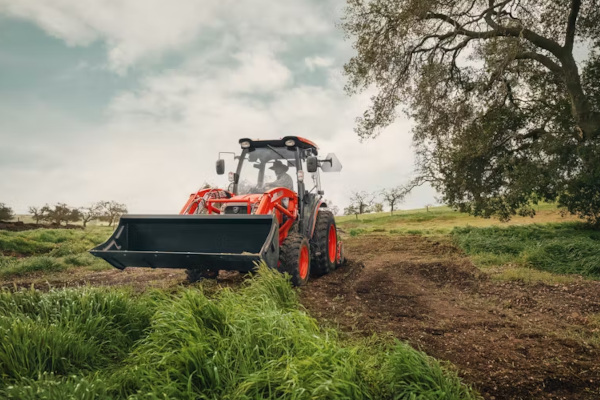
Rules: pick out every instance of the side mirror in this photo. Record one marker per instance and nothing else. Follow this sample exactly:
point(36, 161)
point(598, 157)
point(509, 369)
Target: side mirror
point(331, 163)
point(312, 164)
point(220, 167)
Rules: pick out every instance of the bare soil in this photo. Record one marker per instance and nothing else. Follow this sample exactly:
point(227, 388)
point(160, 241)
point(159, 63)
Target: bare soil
point(139, 279)
point(508, 339)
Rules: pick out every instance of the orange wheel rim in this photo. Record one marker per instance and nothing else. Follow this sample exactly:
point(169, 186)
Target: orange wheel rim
point(303, 267)
point(332, 243)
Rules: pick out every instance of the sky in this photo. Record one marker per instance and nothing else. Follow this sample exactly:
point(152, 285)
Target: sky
point(131, 100)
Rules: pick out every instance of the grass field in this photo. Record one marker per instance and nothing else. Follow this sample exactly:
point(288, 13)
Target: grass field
point(252, 343)
point(438, 220)
point(256, 340)
point(548, 247)
point(49, 250)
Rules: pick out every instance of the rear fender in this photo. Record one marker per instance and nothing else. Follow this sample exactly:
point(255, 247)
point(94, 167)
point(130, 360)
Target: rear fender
point(311, 223)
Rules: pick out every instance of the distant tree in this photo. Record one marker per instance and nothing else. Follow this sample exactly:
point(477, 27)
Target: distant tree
point(112, 211)
point(362, 202)
point(351, 210)
point(60, 213)
point(6, 213)
point(37, 213)
point(378, 207)
point(90, 213)
point(393, 196)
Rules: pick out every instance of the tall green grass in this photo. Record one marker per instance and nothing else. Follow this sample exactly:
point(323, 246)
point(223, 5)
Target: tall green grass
point(568, 248)
point(49, 250)
point(253, 343)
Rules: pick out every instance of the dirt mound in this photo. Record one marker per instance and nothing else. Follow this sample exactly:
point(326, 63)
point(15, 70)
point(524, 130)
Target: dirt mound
point(22, 226)
point(510, 340)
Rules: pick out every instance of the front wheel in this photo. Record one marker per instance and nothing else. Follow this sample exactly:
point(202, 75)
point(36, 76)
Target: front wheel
point(294, 258)
point(324, 244)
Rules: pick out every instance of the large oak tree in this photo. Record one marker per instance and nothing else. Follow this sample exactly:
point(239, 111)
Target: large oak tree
point(505, 96)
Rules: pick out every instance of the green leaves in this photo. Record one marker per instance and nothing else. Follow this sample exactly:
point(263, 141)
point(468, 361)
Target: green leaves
point(502, 115)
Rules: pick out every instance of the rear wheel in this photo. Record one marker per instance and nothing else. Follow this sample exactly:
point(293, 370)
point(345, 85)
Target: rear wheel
point(294, 258)
point(195, 275)
point(324, 244)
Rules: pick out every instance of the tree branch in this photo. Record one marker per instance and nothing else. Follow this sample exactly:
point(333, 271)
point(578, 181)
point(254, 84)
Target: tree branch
point(542, 59)
point(538, 40)
point(571, 25)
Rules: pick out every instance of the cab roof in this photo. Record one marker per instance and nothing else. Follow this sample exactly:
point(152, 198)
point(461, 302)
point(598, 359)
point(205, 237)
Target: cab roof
point(300, 142)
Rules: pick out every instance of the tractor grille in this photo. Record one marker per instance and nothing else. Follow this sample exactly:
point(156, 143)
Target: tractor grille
point(236, 209)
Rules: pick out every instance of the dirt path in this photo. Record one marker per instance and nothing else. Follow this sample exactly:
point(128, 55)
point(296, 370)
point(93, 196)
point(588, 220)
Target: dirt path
point(510, 340)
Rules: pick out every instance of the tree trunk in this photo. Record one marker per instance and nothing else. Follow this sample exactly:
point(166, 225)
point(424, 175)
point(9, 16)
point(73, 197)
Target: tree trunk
point(587, 120)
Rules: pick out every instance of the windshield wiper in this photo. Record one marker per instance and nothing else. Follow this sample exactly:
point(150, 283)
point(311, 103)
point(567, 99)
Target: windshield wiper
point(281, 155)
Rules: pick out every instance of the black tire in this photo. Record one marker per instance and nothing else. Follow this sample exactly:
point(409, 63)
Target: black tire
point(319, 245)
point(195, 275)
point(291, 258)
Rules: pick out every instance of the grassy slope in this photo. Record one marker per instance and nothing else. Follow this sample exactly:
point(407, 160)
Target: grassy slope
point(254, 343)
point(530, 249)
point(49, 250)
point(439, 220)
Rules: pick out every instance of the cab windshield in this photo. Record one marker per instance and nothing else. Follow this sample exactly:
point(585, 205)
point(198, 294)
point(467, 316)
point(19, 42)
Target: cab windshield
point(265, 168)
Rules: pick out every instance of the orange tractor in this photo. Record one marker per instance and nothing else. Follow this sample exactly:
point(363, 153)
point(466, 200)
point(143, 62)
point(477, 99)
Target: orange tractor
point(264, 215)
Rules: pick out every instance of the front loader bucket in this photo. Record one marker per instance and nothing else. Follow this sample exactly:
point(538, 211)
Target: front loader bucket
point(230, 242)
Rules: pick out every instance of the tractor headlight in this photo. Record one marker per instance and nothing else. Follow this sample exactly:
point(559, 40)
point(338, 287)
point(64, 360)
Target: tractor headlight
point(300, 176)
point(290, 143)
point(245, 145)
point(231, 176)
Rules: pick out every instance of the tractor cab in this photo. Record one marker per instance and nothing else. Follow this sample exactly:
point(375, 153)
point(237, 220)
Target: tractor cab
point(290, 162)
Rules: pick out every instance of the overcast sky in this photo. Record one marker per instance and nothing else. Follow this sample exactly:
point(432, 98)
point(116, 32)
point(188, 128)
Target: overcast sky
point(131, 100)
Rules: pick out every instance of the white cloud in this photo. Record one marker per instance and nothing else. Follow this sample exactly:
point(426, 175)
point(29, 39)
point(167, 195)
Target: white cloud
point(136, 30)
point(312, 63)
point(186, 119)
point(161, 138)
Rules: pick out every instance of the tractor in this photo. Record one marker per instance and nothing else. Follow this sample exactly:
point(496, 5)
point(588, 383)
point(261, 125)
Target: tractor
point(272, 211)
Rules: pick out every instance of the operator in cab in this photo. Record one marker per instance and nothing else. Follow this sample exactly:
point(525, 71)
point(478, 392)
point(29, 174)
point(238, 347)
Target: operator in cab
point(283, 178)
